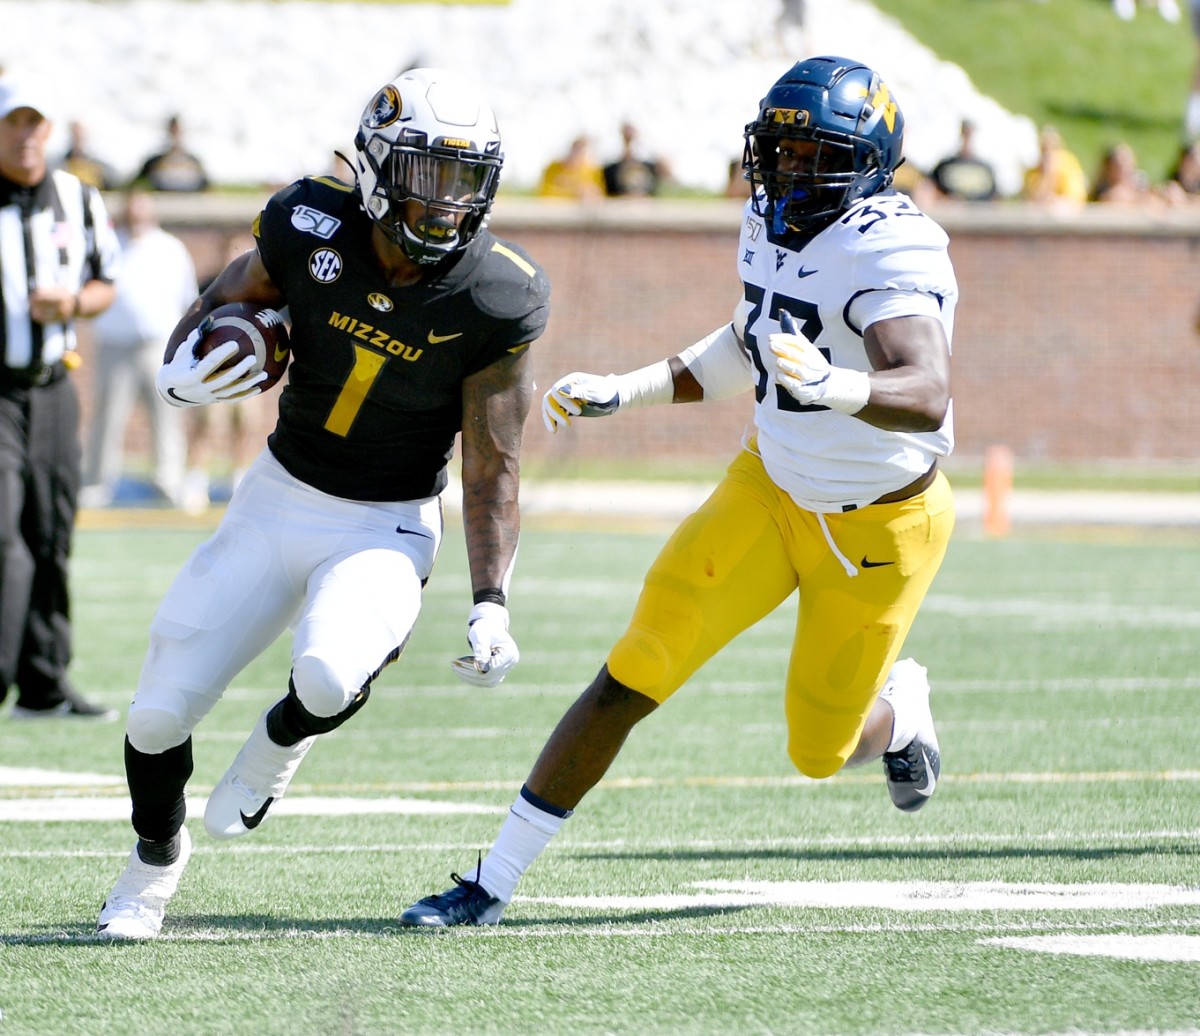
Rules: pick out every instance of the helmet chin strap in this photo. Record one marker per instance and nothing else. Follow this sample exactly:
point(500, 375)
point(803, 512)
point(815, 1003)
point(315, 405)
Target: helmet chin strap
point(417, 246)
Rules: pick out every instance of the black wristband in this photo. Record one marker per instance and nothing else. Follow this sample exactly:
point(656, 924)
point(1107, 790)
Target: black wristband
point(491, 595)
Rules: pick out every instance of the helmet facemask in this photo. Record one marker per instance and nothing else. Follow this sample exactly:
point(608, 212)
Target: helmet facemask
point(852, 133)
point(807, 198)
point(428, 185)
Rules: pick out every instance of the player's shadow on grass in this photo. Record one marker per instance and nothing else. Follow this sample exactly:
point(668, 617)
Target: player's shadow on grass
point(900, 854)
point(230, 928)
point(239, 926)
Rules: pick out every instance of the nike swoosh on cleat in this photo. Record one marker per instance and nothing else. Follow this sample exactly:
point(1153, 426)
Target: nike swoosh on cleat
point(253, 821)
point(873, 564)
point(436, 339)
point(927, 788)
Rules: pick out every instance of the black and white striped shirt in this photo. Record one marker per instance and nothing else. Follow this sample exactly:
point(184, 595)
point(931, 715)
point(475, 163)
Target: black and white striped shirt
point(57, 234)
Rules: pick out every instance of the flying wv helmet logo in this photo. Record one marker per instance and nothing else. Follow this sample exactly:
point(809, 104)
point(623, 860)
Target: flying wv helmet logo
point(385, 109)
point(789, 116)
point(879, 105)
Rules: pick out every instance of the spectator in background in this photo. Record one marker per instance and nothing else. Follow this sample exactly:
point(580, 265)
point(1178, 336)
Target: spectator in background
point(156, 283)
point(82, 164)
point(792, 13)
point(174, 168)
point(920, 188)
point(1126, 9)
point(1183, 184)
point(1119, 181)
point(1058, 178)
point(58, 255)
point(576, 175)
point(228, 438)
point(633, 174)
point(341, 169)
point(1191, 118)
point(964, 175)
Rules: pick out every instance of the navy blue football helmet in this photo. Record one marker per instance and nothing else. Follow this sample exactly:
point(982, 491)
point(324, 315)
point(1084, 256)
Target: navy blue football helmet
point(847, 111)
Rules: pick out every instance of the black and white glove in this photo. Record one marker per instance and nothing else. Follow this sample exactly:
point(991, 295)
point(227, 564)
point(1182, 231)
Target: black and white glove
point(494, 651)
point(187, 381)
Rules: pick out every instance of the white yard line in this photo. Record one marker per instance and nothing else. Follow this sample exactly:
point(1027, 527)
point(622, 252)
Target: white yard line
point(1120, 947)
point(41, 810)
point(900, 896)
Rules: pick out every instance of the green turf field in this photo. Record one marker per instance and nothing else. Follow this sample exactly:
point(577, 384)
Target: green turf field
point(1053, 885)
point(1072, 64)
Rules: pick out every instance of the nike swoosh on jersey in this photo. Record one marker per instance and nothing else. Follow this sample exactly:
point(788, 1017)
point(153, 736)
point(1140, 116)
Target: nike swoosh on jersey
point(252, 822)
point(413, 532)
point(873, 564)
point(436, 339)
point(802, 272)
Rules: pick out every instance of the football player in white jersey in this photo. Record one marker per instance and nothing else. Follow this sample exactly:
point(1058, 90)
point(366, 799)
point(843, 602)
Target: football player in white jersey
point(843, 333)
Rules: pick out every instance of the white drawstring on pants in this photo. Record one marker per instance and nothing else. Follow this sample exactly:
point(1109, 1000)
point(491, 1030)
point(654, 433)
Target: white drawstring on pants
point(851, 571)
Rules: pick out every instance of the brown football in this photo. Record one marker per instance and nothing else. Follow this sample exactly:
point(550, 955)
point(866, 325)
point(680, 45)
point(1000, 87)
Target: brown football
point(258, 331)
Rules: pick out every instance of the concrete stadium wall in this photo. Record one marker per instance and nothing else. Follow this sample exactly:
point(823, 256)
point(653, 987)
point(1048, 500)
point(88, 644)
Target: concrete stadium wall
point(1075, 337)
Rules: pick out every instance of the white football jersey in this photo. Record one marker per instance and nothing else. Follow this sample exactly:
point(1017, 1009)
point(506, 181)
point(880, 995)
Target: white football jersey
point(882, 258)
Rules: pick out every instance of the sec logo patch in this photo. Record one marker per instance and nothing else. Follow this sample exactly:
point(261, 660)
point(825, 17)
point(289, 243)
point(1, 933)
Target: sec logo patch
point(325, 265)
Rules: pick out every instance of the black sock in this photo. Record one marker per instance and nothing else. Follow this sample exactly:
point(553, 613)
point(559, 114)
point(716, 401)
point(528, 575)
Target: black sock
point(156, 784)
point(159, 854)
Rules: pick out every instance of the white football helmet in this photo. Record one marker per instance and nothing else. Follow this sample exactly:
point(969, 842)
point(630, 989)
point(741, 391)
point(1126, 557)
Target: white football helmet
point(429, 136)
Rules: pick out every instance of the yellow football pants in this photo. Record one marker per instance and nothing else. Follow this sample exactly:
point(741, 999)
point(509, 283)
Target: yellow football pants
point(743, 553)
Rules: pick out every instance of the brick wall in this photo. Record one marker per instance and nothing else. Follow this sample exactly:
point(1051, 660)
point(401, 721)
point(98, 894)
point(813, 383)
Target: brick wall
point(1074, 338)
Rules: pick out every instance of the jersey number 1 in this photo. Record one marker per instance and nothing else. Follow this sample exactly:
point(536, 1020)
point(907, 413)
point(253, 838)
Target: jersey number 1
point(367, 366)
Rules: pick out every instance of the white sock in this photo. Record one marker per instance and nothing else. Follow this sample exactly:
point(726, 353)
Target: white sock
point(906, 715)
point(902, 733)
point(1192, 116)
point(526, 831)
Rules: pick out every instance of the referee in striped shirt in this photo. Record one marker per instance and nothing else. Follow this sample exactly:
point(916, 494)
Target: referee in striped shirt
point(57, 253)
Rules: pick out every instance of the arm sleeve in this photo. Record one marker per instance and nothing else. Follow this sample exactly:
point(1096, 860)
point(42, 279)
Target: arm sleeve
point(720, 364)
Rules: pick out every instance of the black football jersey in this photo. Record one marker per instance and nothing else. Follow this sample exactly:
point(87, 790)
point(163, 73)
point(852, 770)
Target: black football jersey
point(374, 392)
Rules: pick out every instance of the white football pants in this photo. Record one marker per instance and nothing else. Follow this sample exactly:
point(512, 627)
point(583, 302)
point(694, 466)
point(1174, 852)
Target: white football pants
point(346, 575)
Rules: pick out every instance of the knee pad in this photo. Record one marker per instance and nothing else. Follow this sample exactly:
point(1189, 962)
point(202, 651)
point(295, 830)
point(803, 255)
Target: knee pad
point(818, 767)
point(319, 689)
point(289, 722)
point(815, 757)
point(153, 730)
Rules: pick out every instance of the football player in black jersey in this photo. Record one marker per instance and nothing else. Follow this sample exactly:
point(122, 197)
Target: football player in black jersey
point(410, 324)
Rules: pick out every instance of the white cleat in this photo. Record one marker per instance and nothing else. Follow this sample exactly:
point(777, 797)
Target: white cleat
point(134, 909)
point(259, 775)
point(912, 770)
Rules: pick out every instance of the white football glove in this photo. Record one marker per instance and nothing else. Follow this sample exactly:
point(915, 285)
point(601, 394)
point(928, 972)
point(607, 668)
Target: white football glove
point(186, 381)
point(809, 377)
point(495, 652)
point(579, 395)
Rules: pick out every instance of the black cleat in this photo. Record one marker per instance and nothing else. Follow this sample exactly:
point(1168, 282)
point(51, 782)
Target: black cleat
point(912, 771)
point(467, 903)
point(912, 774)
